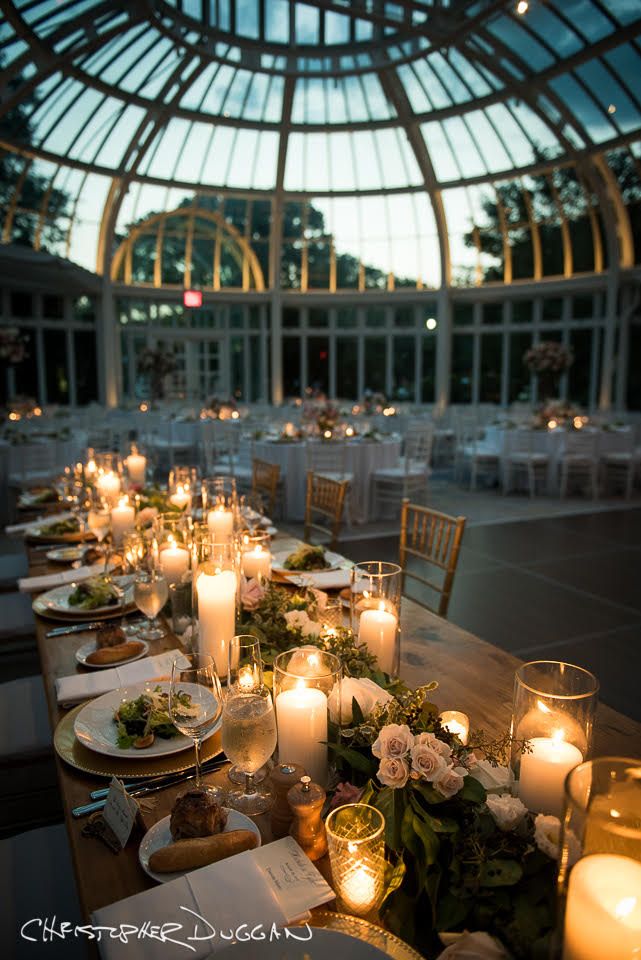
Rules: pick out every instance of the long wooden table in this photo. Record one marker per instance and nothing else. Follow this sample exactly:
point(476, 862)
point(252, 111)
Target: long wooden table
point(473, 676)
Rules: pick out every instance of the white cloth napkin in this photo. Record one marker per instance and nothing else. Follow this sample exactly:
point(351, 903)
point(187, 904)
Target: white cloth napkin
point(274, 884)
point(49, 580)
point(40, 522)
point(84, 686)
point(323, 580)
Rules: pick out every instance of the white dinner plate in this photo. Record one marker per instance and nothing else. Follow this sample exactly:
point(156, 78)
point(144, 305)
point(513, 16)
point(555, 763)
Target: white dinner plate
point(95, 727)
point(56, 601)
point(334, 562)
point(160, 836)
point(90, 647)
point(318, 944)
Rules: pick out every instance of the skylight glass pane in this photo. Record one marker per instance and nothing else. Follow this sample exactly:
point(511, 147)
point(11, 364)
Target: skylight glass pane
point(274, 102)
point(537, 130)
point(445, 166)
point(120, 137)
point(453, 86)
point(247, 18)
point(336, 28)
point(294, 162)
point(584, 108)
point(368, 173)
point(195, 92)
point(191, 156)
point(11, 52)
point(277, 21)
point(463, 147)
point(241, 168)
point(235, 99)
point(520, 146)
point(341, 162)
point(626, 11)
point(356, 106)
point(255, 103)
point(474, 80)
point(414, 90)
point(553, 31)
point(307, 24)
point(171, 144)
point(88, 216)
point(520, 43)
point(610, 94)
point(379, 106)
point(215, 171)
point(218, 90)
point(266, 161)
point(586, 17)
point(493, 151)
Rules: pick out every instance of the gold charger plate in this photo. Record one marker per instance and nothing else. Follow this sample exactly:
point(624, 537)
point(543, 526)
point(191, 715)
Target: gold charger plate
point(90, 615)
point(364, 930)
point(33, 537)
point(76, 755)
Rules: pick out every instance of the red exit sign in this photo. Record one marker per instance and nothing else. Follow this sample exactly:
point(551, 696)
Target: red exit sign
point(193, 298)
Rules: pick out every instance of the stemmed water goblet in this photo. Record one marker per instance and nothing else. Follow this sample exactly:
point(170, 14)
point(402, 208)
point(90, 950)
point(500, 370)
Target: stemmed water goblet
point(150, 596)
point(194, 675)
point(99, 523)
point(245, 674)
point(252, 510)
point(249, 725)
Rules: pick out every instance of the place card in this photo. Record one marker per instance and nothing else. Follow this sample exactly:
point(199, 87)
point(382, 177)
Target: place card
point(120, 812)
point(296, 882)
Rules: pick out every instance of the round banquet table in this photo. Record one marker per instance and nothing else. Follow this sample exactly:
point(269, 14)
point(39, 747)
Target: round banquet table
point(363, 458)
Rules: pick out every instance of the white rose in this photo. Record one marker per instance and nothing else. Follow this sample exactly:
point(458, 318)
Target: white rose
point(507, 811)
point(547, 833)
point(450, 781)
point(366, 693)
point(471, 946)
point(393, 772)
point(299, 619)
point(443, 749)
point(427, 762)
point(494, 779)
point(394, 740)
point(304, 661)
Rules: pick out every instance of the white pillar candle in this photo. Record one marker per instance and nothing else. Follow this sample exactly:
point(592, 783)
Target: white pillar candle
point(377, 629)
point(221, 525)
point(457, 723)
point(301, 715)
point(257, 563)
point(543, 773)
point(603, 911)
point(108, 485)
point(181, 498)
point(136, 467)
point(123, 520)
point(174, 561)
point(217, 615)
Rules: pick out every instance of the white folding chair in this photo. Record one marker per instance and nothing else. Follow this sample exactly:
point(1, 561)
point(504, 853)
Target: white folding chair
point(579, 460)
point(522, 459)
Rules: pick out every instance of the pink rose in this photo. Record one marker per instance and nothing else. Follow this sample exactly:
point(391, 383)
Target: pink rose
point(427, 762)
point(251, 593)
point(439, 746)
point(345, 793)
point(393, 772)
point(450, 781)
point(394, 740)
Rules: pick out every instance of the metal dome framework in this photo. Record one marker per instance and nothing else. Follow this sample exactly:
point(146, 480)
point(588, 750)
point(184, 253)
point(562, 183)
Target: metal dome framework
point(438, 123)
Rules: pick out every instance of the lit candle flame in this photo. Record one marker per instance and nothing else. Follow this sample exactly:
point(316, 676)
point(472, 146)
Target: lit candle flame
point(625, 907)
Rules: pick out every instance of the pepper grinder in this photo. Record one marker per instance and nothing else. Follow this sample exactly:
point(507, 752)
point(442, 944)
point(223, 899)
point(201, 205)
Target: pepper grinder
point(306, 800)
point(283, 777)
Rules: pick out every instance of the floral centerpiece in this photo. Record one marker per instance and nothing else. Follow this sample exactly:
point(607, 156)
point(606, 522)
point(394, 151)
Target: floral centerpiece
point(13, 345)
point(557, 413)
point(548, 360)
point(156, 364)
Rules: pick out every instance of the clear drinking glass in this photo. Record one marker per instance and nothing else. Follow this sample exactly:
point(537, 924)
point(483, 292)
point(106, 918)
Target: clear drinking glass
point(252, 511)
point(375, 595)
point(195, 674)
point(99, 517)
point(249, 740)
point(150, 595)
point(245, 674)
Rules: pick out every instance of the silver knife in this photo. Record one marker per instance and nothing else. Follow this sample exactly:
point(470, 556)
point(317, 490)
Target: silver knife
point(168, 779)
point(81, 627)
point(86, 808)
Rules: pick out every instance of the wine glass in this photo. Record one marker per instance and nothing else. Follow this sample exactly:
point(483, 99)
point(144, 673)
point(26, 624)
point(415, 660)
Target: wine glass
point(150, 596)
point(252, 510)
point(244, 675)
point(249, 739)
point(195, 674)
point(99, 523)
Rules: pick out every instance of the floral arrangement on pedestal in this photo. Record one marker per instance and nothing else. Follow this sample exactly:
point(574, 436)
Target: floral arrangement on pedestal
point(13, 345)
point(548, 360)
point(464, 854)
point(156, 364)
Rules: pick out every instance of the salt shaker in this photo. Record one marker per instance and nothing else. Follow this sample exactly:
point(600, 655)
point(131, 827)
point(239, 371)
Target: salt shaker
point(306, 800)
point(283, 778)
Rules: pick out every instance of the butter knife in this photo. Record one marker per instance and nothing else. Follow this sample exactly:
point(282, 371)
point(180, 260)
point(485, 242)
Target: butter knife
point(82, 627)
point(87, 808)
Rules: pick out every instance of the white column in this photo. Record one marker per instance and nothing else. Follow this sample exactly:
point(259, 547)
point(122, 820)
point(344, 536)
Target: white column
point(443, 351)
point(109, 367)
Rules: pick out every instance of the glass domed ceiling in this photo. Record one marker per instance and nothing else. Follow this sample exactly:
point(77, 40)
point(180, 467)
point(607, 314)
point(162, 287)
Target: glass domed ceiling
point(310, 99)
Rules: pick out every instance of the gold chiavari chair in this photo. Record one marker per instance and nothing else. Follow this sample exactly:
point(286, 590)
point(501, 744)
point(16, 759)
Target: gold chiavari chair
point(325, 498)
point(265, 480)
point(436, 539)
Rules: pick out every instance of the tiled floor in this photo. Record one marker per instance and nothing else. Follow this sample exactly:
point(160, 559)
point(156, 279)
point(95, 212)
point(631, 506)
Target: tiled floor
point(567, 587)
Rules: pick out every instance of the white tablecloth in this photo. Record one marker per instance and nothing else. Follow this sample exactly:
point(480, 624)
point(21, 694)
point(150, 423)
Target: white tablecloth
point(363, 457)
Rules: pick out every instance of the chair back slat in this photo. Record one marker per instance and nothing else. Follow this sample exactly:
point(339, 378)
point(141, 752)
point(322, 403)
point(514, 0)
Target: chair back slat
point(436, 539)
point(265, 480)
point(327, 498)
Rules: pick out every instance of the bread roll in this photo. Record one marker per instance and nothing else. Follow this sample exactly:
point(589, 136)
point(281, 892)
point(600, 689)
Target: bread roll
point(200, 851)
point(124, 651)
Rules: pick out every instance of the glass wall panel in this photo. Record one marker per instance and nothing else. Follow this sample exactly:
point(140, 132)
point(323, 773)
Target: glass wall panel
point(375, 354)
point(428, 376)
point(347, 368)
point(519, 381)
point(292, 386)
point(56, 366)
point(86, 370)
point(403, 369)
point(318, 363)
point(462, 368)
point(491, 368)
point(579, 373)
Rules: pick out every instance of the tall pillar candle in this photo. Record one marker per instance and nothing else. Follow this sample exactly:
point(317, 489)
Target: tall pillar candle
point(543, 772)
point(221, 525)
point(603, 909)
point(123, 521)
point(136, 467)
point(108, 485)
point(257, 563)
point(217, 615)
point(301, 715)
point(174, 562)
point(377, 629)
point(181, 498)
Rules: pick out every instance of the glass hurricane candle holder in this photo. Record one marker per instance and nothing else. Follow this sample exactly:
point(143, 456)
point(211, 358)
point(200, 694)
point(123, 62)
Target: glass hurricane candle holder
point(182, 486)
point(306, 679)
point(256, 556)
point(600, 862)
point(215, 588)
point(108, 476)
point(456, 722)
point(375, 607)
point(136, 466)
point(356, 842)
point(220, 507)
point(554, 708)
point(123, 520)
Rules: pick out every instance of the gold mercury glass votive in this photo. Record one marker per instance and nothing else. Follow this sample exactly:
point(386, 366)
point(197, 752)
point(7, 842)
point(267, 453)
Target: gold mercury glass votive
point(356, 841)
